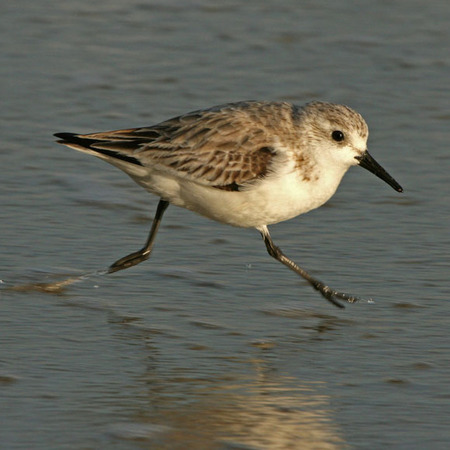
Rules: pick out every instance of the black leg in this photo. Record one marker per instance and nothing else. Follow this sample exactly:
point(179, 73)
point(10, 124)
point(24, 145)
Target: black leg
point(330, 294)
point(144, 253)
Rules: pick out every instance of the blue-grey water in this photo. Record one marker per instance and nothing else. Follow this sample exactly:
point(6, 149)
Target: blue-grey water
point(211, 343)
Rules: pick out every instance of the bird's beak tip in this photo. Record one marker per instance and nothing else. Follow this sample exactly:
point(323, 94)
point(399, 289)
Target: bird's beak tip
point(368, 162)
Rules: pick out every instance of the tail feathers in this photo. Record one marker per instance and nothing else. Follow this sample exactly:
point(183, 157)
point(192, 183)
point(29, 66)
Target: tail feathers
point(95, 146)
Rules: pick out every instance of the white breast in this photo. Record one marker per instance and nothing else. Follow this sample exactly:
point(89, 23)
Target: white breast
point(273, 199)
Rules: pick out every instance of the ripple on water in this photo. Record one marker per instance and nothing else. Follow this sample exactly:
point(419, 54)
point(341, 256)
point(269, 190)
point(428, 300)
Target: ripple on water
point(137, 431)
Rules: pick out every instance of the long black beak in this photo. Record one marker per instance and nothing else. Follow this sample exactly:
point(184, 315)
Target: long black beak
point(366, 161)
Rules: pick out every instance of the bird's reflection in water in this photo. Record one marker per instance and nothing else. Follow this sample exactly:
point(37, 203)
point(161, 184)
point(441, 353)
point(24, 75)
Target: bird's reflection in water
point(233, 411)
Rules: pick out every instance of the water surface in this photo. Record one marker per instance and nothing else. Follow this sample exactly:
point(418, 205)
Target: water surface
point(211, 343)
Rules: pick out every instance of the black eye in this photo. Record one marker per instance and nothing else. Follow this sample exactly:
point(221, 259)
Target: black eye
point(337, 135)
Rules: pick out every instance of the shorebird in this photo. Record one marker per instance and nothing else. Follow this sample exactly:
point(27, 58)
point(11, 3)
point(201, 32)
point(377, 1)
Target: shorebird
point(247, 164)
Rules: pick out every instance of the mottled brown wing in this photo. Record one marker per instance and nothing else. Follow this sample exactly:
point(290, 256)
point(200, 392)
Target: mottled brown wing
point(225, 147)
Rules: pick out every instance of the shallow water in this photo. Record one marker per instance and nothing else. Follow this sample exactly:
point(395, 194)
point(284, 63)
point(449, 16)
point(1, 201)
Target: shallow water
point(211, 343)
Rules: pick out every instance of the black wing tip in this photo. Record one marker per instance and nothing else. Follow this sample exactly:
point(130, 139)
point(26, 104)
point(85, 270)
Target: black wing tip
point(75, 139)
point(82, 143)
point(65, 137)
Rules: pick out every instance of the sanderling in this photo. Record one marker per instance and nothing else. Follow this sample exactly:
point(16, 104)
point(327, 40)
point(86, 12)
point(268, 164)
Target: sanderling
point(247, 164)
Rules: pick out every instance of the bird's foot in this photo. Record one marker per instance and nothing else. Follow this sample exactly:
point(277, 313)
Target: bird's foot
point(129, 261)
point(333, 296)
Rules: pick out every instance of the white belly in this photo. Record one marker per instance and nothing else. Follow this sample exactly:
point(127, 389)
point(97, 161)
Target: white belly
point(270, 200)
